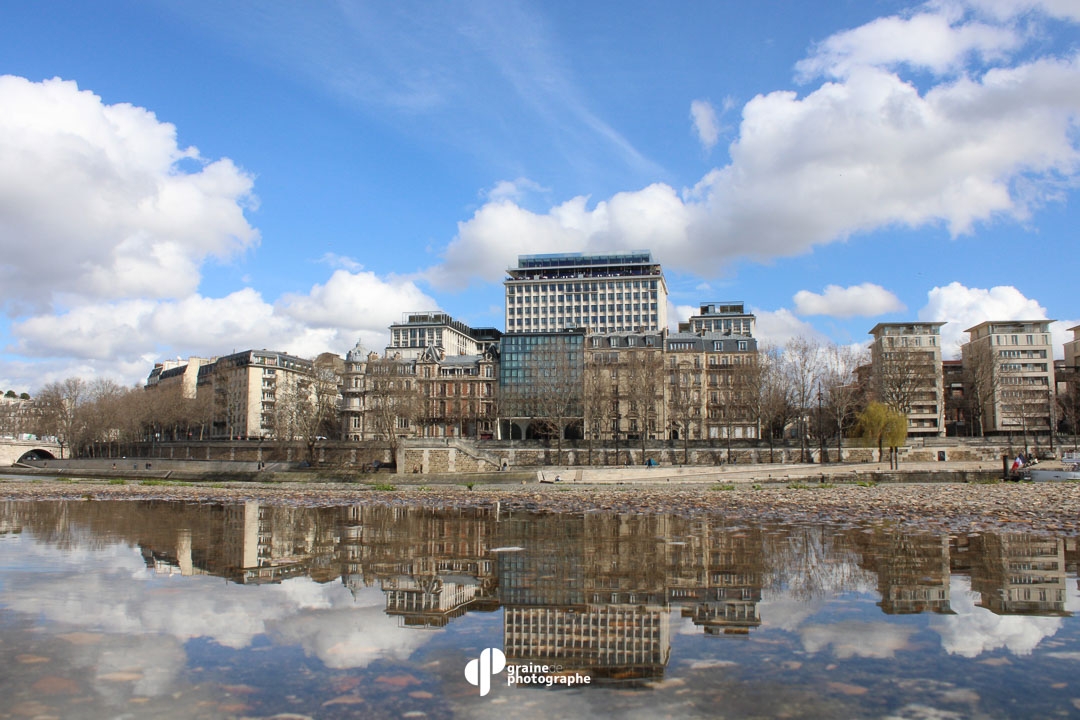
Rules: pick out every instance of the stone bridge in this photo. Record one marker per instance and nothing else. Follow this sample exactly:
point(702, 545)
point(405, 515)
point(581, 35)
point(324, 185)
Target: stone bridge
point(12, 451)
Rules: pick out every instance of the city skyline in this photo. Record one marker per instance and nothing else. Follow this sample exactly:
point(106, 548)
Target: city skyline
point(200, 179)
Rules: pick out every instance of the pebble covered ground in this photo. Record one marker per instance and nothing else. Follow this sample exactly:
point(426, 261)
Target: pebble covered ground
point(1044, 508)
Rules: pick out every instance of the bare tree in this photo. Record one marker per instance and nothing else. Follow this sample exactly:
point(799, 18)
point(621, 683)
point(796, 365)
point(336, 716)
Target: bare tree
point(981, 381)
point(306, 407)
point(394, 399)
point(903, 375)
point(741, 395)
point(840, 388)
point(557, 389)
point(597, 397)
point(1025, 401)
point(105, 405)
point(63, 416)
point(1069, 402)
point(684, 399)
point(767, 395)
point(642, 374)
point(803, 362)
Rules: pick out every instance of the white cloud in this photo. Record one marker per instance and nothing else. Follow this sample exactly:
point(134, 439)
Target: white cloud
point(143, 621)
point(122, 339)
point(974, 630)
point(680, 313)
point(856, 639)
point(489, 242)
point(869, 151)
point(963, 307)
point(927, 40)
point(356, 301)
point(340, 261)
point(514, 190)
point(778, 327)
point(104, 199)
point(105, 224)
point(706, 126)
point(865, 300)
point(348, 637)
point(1009, 9)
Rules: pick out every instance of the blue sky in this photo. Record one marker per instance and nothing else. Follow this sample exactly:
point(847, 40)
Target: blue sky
point(196, 178)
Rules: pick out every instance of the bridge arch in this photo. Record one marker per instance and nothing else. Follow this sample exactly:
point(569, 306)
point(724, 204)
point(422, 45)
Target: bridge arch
point(36, 454)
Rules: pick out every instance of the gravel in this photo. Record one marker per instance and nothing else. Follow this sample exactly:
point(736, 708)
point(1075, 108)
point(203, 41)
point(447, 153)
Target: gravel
point(1044, 508)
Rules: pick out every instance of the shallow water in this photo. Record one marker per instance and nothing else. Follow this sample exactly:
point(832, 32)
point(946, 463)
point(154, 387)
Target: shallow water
point(174, 610)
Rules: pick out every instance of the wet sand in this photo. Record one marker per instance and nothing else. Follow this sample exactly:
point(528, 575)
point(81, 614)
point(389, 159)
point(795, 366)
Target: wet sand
point(1043, 508)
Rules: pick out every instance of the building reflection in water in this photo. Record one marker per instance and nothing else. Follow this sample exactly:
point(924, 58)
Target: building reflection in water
point(590, 592)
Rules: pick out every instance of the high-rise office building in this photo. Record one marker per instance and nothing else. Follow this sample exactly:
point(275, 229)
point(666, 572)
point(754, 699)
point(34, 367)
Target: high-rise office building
point(616, 292)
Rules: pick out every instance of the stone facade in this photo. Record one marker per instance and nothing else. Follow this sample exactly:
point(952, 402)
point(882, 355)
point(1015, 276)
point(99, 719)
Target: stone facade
point(243, 390)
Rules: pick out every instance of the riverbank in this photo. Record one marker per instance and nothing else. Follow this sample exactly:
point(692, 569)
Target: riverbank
point(1043, 508)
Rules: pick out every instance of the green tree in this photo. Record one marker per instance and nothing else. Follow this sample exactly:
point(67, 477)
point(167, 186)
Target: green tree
point(882, 426)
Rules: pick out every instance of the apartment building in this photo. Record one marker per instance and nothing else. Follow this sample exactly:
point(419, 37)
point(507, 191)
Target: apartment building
point(1010, 372)
point(244, 389)
point(906, 374)
point(1072, 351)
point(623, 386)
point(434, 394)
point(177, 373)
point(616, 292)
point(710, 383)
point(725, 318)
point(458, 392)
point(418, 331)
point(378, 398)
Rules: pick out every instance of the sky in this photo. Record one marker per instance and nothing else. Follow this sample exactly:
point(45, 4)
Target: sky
point(199, 178)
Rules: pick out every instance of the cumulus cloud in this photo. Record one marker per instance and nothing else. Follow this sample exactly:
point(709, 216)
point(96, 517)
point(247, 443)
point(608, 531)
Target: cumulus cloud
point(514, 190)
point(348, 637)
point(1009, 9)
point(706, 126)
point(778, 327)
point(866, 150)
point(962, 307)
point(330, 316)
point(105, 199)
point(928, 40)
point(124, 219)
point(141, 622)
point(975, 630)
point(856, 639)
point(341, 261)
point(680, 313)
point(356, 301)
point(864, 300)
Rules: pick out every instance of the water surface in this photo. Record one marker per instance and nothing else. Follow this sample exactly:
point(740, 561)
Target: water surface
point(179, 610)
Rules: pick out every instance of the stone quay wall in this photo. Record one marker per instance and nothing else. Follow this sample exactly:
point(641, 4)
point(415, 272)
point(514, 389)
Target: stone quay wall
point(460, 455)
